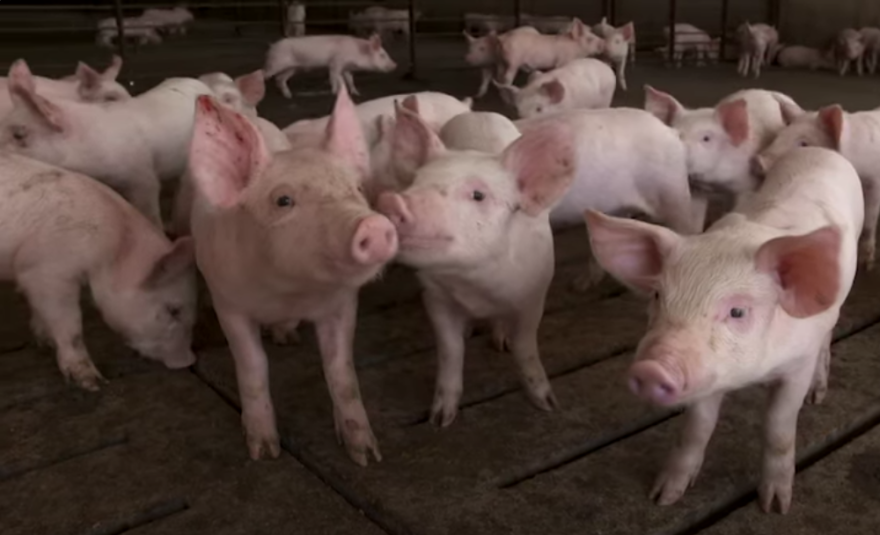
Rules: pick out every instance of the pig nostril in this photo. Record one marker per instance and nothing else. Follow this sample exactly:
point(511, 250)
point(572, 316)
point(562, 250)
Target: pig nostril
point(635, 385)
point(364, 244)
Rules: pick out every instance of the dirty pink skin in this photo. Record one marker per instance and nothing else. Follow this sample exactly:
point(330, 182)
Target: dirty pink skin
point(60, 229)
point(582, 83)
point(804, 57)
point(610, 179)
point(721, 141)
point(628, 31)
point(340, 54)
point(849, 47)
point(871, 39)
point(690, 39)
point(485, 52)
point(544, 52)
point(856, 136)
point(130, 145)
point(86, 85)
point(249, 208)
point(755, 44)
point(753, 300)
point(482, 131)
point(475, 226)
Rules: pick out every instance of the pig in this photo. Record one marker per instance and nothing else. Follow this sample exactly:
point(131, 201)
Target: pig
point(849, 47)
point(172, 21)
point(554, 24)
point(690, 39)
point(481, 131)
point(605, 30)
point(855, 137)
point(86, 85)
point(249, 207)
point(295, 26)
point(484, 52)
point(60, 229)
point(797, 56)
point(129, 145)
point(476, 228)
point(481, 23)
point(721, 141)
point(340, 54)
point(544, 52)
point(871, 39)
point(755, 43)
point(580, 83)
point(638, 164)
point(142, 31)
point(753, 300)
point(618, 43)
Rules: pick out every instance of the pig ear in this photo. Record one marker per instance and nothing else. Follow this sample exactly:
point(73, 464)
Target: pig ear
point(252, 87)
point(734, 117)
point(111, 73)
point(411, 103)
point(344, 136)
point(376, 41)
point(22, 90)
point(542, 160)
point(413, 142)
point(225, 154)
point(628, 31)
point(831, 119)
point(662, 105)
point(633, 252)
point(790, 111)
point(89, 79)
point(554, 90)
point(806, 270)
point(172, 264)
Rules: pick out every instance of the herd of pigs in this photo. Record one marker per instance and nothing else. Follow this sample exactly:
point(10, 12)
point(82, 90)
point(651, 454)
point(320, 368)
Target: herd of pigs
point(286, 226)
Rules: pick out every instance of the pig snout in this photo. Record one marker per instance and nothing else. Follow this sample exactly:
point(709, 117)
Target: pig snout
point(394, 208)
point(651, 381)
point(375, 241)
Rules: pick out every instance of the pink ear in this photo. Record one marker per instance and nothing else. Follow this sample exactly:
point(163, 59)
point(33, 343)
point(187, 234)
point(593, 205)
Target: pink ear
point(172, 264)
point(806, 268)
point(411, 103)
point(344, 136)
point(376, 41)
point(554, 90)
point(633, 252)
point(22, 89)
point(628, 31)
point(252, 87)
point(112, 72)
point(542, 160)
point(413, 142)
point(577, 28)
point(226, 152)
point(790, 111)
point(734, 117)
point(20, 75)
point(831, 118)
point(89, 78)
point(661, 105)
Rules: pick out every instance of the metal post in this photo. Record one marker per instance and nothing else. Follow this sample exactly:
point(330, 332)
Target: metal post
point(673, 5)
point(411, 75)
point(282, 10)
point(725, 4)
point(517, 15)
point(612, 12)
point(120, 28)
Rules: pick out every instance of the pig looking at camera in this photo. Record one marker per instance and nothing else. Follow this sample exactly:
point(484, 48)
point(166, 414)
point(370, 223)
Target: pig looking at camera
point(752, 300)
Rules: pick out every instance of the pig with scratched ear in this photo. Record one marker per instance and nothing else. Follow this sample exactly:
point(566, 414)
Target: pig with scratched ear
point(752, 300)
point(282, 238)
point(476, 228)
point(856, 136)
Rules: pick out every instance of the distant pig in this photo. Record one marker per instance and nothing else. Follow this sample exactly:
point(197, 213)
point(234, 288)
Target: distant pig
point(282, 238)
point(856, 136)
point(690, 39)
point(628, 30)
point(755, 43)
point(752, 300)
point(849, 47)
point(485, 52)
point(804, 57)
point(871, 39)
point(619, 43)
point(340, 54)
point(295, 25)
point(482, 131)
point(475, 227)
point(579, 84)
point(60, 229)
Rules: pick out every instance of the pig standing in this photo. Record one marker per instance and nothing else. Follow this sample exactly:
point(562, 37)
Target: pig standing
point(604, 30)
point(755, 43)
point(129, 145)
point(249, 208)
point(482, 131)
point(476, 228)
point(60, 229)
point(580, 83)
point(618, 43)
point(848, 48)
point(871, 39)
point(753, 300)
point(295, 26)
point(340, 54)
point(485, 52)
point(803, 57)
point(690, 39)
point(856, 136)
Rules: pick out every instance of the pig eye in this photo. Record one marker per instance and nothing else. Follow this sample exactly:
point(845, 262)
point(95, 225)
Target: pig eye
point(174, 312)
point(707, 138)
point(19, 133)
point(737, 313)
point(803, 143)
point(478, 195)
point(284, 201)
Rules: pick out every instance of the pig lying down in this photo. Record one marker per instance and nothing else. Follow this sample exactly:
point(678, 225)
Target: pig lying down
point(59, 229)
point(249, 207)
point(753, 300)
point(476, 227)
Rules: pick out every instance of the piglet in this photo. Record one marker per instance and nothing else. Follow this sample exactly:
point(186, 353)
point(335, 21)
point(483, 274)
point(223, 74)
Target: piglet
point(286, 237)
point(340, 54)
point(804, 57)
point(753, 300)
point(295, 25)
point(579, 84)
point(690, 39)
point(476, 228)
point(755, 43)
point(485, 52)
point(628, 30)
point(849, 47)
point(619, 44)
point(871, 39)
point(59, 229)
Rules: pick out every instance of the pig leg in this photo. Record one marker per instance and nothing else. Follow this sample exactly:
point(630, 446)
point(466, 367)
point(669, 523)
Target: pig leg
point(143, 194)
point(349, 81)
point(486, 74)
point(780, 433)
point(684, 464)
point(860, 65)
point(281, 80)
point(621, 72)
point(528, 360)
point(868, 239)
point(819, 388)
point(742, 66)
point(335, 341)
point(252, 374)
point(499, 336)
point(449, 325)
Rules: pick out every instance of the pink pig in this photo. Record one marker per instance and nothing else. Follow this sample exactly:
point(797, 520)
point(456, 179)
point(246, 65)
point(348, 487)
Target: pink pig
point(476, 227)
point(752, 300)
point(485, 52)
point(756, 41)
point(282, 238)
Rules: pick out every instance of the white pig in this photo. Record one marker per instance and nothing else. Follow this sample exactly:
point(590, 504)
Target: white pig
point(60, 229)
point(849, 47)
point(580, 83)
point(485, 52)
point(871, 39)
point(797, 56)
point(295, 26)
point(129, 145)
point(690, 39)
point(340, 54)
point(482, 131)
point(752, 300)
point(249, 208)
point(755, 44)
point(618, 44)
point(856, 136)
point(604, 30)
point(476, 228)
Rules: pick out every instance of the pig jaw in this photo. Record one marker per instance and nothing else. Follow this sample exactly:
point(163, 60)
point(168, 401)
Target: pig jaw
point(418, 218)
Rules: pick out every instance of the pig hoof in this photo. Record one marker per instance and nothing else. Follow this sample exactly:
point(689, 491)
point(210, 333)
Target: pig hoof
point(267, 447)
point(85, 376)
point(360, 444)
point(442, 414)
point(771, 494)
point(671, 485)
point(545, 401)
